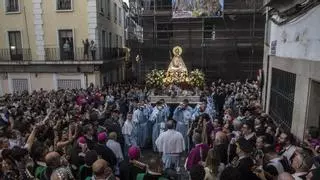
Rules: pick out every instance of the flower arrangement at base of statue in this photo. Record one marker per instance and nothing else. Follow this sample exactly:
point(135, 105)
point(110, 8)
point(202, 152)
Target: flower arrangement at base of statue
point(158, 78)
point(196, 78)
point(175, 78)
point(155, 78)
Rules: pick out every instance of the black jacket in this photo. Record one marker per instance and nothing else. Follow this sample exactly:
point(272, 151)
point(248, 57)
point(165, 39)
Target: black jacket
point(106, 154)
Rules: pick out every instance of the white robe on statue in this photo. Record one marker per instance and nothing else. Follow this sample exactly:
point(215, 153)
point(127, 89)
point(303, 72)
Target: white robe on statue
point(171, 144)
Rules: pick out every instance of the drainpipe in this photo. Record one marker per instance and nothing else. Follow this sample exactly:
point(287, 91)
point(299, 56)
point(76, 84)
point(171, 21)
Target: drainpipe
point(267, 61)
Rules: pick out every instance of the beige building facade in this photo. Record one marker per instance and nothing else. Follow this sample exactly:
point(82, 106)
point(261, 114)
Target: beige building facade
point(291, 67)
point(41, 43)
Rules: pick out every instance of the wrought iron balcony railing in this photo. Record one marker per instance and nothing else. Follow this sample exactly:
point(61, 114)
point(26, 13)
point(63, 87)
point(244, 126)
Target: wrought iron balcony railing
point(14, 54)
point(58, 54)
point(80, 54)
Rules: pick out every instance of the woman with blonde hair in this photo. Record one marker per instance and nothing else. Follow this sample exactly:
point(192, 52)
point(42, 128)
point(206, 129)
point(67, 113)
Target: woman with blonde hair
point(213, 167)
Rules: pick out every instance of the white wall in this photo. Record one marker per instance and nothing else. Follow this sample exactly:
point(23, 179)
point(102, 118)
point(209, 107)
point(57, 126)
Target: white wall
point(299, 38)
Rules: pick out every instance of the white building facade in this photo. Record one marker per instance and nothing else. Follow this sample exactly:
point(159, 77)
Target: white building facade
point(292, 71)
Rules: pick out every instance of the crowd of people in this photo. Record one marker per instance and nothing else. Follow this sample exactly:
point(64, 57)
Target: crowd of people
point(104, 133)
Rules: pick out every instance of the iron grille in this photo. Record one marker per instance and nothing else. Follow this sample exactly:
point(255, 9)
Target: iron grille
point(282, 97)
point(69, 84)
point(19, 85)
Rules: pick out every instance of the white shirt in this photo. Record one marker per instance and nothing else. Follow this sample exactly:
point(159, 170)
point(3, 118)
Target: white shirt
point(289, 152)
point(116, 148)
point(170, 142)
point(127, 128)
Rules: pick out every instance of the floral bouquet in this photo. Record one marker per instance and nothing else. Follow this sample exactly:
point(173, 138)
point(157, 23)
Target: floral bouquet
point(155, 78)
point(175, 78)
point(196, 78)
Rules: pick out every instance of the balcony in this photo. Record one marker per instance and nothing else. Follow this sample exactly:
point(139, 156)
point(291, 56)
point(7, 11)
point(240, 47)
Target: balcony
point(14, 54)
point(78, 54)
point(57, 54)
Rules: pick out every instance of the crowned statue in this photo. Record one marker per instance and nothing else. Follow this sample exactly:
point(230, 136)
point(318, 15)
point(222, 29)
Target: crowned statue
point(177, 64)
point(177, 71)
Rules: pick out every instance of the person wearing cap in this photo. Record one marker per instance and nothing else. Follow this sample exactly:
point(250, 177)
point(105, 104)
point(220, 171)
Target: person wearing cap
point(182, 115)
point(140, 119)
point(159, 119)
point(103, 151)
point(131, 167)
point(245, 162)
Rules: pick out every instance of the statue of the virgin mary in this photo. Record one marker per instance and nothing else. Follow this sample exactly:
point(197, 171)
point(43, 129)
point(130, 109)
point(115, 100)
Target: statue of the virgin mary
point(177, 65)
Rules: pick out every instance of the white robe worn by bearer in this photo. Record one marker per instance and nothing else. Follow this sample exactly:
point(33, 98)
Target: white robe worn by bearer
point(171, 144)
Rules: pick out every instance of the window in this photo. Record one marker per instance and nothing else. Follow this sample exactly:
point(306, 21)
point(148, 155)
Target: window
point(282, 97)
point(103, 38)
point(12, 5)
point(120, 41)
point(102, 6)
point(64, 4)
point(15, 45)
point(108, 8)
point(110, 40)
point(69, 84)
point(125, 20)
point(66, 44)
point(120, 16)
point(103, 44)
point(115, 12)
point(19, 85)
point(117, 41)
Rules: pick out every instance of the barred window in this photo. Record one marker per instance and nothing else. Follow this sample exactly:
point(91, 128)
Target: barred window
point(19, 85)
point(282, 97)
point(12, 5)
point(64, 4)
point(69, 83)
point(120, 16)
point(115, 13)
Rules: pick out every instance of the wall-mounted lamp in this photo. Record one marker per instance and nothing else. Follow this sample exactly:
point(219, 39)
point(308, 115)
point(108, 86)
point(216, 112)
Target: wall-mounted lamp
point(12, 47)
